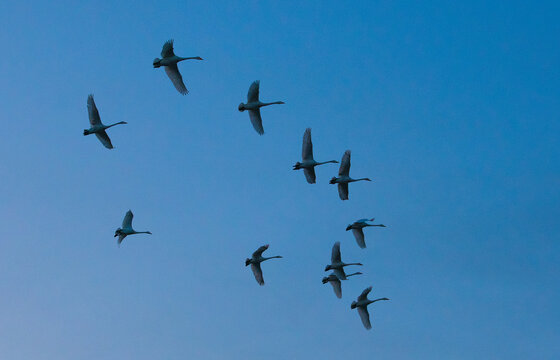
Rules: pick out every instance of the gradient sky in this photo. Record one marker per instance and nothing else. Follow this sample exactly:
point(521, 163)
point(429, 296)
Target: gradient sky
point(451, 108)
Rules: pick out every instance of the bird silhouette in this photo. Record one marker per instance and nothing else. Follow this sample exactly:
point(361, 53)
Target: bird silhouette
point(361, 304)
point(337, 265)
point(357, 229)
point(344, 178)
point(255, 262)
point(169, 60)
point(97, 126)
point(127, 229)
point(335, 282)
point(307, 162)
point(254, 106)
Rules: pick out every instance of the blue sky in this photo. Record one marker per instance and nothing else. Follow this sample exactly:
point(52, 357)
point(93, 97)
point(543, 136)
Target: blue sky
point(452, 109)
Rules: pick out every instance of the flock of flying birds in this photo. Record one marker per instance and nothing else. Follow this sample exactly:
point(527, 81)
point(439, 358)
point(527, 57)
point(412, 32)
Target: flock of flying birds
point(169, 61)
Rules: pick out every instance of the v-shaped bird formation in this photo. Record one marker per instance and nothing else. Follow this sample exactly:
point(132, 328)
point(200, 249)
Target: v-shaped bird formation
point(308, 163)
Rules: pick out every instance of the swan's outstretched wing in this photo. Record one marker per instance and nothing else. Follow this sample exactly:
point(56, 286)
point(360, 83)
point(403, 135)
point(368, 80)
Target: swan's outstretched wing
point(359, 235)
point(363, 221)
point(364, 294)
point(127, 221)
point(121, 238)
point(175, 76)
point(309, 175)
point(256, 120)
point(364, 315)
point(167, 50)
point(340, 273)
point(343, 191)
point(337, 287)
point(259, 251)
point(307, 148)
point(335, 255)
point(93, 114)
point(344, 169)
point(253, 94)
point(258, 273)
point(104, 138)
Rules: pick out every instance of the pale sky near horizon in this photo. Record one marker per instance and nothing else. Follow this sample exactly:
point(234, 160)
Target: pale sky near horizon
point(451, 108)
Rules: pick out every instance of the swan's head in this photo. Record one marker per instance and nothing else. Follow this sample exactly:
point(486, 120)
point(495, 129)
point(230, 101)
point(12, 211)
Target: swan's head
point(247, 262)
point(333, 180)
point(241, 107)
point(349, 227)
point(328, 267)
point(156, 62)
point(353, 306)
point(325, 280)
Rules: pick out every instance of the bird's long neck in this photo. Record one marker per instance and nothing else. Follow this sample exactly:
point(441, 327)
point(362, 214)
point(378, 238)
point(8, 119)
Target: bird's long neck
point(120, 122)
point(272, 103)
point(326, 162)
point(356, 273)
point(190, 58)
point(346, 264)
point(361, 179)
point(142, 232)
point(272, 257)
point(372, 301)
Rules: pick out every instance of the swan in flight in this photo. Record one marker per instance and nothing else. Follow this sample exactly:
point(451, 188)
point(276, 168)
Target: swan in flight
point(169, 61)
point(255, 262)
point(336, 265)
point(357, 229)
point(254, 106)
point(307, 162)
point(362, 304)
point(344, 178)
point(127, 228)
point(335, 282)
point(97, 126)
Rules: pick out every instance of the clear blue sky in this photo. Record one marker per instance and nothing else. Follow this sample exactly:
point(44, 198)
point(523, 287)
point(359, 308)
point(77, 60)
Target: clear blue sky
point(452, 108)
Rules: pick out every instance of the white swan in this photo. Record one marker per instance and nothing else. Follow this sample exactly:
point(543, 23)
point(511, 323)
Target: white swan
point(357, 229)
point(335, 282)
point(336, 265)
point(307, 162)
point(362, 304)
point(170, 60)
point(344, 178)
point(97, 126)
point(254, 106)
point(255, 262)
point(127, 229)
